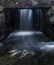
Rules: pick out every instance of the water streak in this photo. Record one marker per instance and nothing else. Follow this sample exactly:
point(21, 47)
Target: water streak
point(25, 19)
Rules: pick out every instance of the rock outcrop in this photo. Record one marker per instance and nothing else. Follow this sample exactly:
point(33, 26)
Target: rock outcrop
point(26, 3)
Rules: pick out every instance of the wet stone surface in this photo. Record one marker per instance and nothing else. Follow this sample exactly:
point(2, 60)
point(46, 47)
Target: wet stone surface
point(26, 48)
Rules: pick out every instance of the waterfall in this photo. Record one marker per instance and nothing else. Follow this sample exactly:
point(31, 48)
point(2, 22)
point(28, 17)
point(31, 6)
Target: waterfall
point(25, 19)
point(39, 19)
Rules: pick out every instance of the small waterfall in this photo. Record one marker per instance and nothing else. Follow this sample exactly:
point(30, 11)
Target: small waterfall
point(25, 19)
point(38, 19)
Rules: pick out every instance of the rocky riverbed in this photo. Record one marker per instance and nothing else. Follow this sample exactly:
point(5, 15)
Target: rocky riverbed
point(25, 48)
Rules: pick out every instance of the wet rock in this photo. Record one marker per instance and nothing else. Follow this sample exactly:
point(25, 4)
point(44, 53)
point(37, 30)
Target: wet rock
point(51, 14)
point(2, 25)
point(26, 3)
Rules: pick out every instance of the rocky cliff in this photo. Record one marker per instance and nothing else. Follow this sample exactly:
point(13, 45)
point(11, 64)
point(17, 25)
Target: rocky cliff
point(26, 3)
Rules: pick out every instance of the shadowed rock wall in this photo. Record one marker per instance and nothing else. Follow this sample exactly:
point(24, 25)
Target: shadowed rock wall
point(26, 3)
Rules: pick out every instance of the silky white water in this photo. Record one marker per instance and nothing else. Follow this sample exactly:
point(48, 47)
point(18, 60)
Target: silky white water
point(25, 19)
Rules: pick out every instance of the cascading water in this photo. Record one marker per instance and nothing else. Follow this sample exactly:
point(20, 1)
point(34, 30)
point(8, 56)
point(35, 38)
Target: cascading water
point(25, 19)
point(38, 19)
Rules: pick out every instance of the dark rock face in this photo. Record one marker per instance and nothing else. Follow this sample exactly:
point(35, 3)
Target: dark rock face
point(2, 26)
point(49, 26)
point(26, 3)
